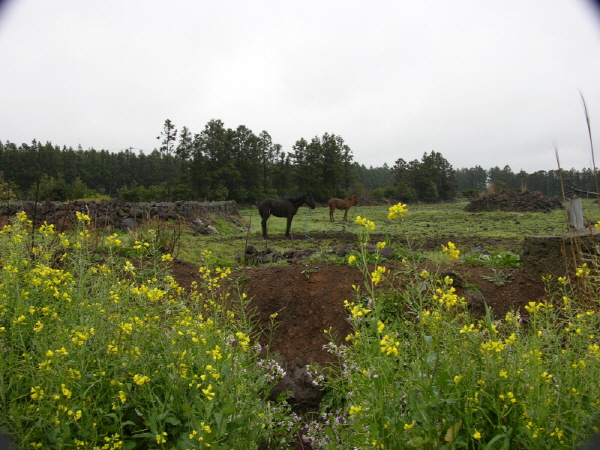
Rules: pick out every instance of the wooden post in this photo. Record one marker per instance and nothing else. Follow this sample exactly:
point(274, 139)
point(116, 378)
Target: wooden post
point(575, 213)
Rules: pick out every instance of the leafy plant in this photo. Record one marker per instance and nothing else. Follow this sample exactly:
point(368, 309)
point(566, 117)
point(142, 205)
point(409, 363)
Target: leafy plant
point(498, 277)
point(309, 270)
point(508, 260)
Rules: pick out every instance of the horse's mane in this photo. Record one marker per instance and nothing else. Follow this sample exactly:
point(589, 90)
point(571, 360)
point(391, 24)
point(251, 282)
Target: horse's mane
point(298, 197)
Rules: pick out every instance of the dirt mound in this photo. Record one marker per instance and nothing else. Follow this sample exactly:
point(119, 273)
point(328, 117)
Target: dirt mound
point(309, 299)
point(516, 202)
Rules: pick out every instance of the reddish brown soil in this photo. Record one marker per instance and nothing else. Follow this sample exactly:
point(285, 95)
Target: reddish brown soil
point(307, 302)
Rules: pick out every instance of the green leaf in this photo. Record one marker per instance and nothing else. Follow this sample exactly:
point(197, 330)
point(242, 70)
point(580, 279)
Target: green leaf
point(490, 444)
point(431, 357)
point(452, 432)
point(172, 420)
point(129, 444)
point(329, 432)
point(228, 409)
point(144, 435)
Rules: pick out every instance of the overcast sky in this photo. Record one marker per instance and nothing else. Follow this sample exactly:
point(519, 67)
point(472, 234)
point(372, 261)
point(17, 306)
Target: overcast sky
point(484, 83)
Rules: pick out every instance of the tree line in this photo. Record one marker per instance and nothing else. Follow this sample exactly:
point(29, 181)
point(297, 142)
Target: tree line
point(222, 163)
point(550, 182)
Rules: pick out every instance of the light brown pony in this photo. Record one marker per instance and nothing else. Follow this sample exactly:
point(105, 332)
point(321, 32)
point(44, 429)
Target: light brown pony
point(344, 204)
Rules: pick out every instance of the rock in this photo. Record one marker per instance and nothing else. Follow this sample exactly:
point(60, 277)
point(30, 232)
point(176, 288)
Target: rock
point(386, 252)
point(342, 250)
point(129, 223)
point(198, 226)
point(296, 256)
point(136, 213)
point(253, 257)
point(479, 251)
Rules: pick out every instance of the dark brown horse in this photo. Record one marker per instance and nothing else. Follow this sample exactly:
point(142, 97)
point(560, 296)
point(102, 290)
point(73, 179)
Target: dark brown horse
point(344, 204)
point(287, 207)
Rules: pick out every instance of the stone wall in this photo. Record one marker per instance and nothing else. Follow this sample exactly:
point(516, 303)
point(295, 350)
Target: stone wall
point(115, 213)
point(558, 255)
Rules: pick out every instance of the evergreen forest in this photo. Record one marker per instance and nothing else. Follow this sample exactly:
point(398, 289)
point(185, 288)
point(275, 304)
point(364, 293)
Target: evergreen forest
point(236, 164)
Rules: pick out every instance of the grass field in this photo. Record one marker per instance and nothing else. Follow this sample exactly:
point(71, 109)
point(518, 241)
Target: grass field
point(424, 222)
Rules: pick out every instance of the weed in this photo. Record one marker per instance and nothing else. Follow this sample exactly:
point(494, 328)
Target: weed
point(508, 260)
point(498, 277)
point(309, 270)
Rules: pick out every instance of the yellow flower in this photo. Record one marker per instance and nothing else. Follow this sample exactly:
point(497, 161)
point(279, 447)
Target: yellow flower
point(160, 438)
point(477, 435)
point(37, 393)
point(67, 393)
point(380, 326)
point(389, 346)
point(244, 340)
point(582, 271)
point(113, 240)
point(451, 251)
point(129, 267)
point(358, 311)
point(378, 275)
point(354, 410)
point(47, 229)
point(82, 217)
point(381, 245)
point(511, 339)
point(397, 210)
point(208, 392)
point(424, 274)
point(368, 224)
point(408, 426)
point(140, 379)
point(457, 378)
point(351, 259)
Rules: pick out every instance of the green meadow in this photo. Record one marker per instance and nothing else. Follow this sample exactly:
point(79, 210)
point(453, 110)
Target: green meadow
point(498, 231)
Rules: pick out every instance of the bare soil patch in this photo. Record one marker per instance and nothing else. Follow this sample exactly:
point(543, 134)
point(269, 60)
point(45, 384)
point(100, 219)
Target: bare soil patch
point(307, 302)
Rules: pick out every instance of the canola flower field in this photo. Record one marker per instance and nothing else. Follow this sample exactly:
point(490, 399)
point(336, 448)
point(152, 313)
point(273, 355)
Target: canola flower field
point(102, 349)
point(102, 353)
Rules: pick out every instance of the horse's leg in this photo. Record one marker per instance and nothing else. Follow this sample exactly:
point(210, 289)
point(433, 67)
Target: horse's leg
point(331, 211)
point(346, 215)
point(264, 225)
point(289, 225)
